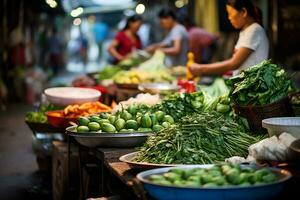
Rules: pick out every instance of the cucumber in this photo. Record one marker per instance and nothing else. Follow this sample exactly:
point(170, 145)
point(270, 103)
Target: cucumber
point(109, 128)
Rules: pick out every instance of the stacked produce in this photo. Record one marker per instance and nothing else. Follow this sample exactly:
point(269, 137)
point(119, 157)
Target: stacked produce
point(216, 89)
point(261, 84)
point(220, 104)
point(133, 60)
point(137, 76)
point(75, 111)
point(133, 71)
point(108, 72)
point(143, 98)
point(155, 63)
point(40, 116)
point(217, 176)
point(199, 138)
point(150, 71)
point(180, 104)
point(136, 118)
point(216, 97)
point(85, 109)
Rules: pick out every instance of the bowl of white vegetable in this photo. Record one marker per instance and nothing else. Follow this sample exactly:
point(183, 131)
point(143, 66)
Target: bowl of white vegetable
point(278, 125)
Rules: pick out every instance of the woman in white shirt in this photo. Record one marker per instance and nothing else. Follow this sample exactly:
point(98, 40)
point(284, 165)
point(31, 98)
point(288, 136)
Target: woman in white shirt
point(252, 46)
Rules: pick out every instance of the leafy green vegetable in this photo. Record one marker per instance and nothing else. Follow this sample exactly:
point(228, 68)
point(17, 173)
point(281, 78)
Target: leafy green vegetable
point(216, 89)
point(261, 84)
point(39, 116)
point(198, 139)
point(155, 63)
point(128, 63)
point(108, 72)
point(179, 105)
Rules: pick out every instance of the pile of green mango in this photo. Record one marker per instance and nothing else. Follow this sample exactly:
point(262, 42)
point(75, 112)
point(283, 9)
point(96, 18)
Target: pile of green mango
point(136, 118)
point(216, 176)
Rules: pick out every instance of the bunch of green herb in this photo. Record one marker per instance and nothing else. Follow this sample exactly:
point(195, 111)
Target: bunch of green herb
point(261, 84)
point(198, 139)
point(180, 104)
point(216, 89)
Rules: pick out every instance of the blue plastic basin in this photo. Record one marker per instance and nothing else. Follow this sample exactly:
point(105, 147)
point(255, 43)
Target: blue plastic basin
point(256, 192)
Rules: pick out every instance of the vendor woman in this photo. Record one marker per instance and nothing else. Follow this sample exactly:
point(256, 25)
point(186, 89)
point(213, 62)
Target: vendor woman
point(175, 44)
point(252, 46)
point(127, 40)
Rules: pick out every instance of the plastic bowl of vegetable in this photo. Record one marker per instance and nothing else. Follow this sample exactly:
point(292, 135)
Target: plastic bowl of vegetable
point(57, 119)
point(211, 182)
point(278, 125)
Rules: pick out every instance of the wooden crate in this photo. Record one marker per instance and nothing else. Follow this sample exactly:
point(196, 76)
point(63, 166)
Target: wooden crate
point(60, 170)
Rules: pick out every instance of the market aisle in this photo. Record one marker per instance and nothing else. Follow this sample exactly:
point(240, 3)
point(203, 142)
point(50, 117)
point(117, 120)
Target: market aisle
point(17, 161)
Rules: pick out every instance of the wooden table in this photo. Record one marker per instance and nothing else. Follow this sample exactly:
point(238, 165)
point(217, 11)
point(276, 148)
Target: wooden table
point(111, 167)
point(127, 175)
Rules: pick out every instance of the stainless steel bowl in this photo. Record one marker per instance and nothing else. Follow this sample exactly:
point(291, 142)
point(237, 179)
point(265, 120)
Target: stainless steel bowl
point(120, 140)
point(278, 125)
point(158, 88)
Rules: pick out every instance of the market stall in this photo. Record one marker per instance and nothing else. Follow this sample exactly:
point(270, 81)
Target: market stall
point(250, 119)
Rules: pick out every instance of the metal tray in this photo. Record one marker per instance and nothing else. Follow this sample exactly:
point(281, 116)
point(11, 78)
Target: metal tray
point(128, 158)
point(158, 88)
point(119, 140)
point(258, 192)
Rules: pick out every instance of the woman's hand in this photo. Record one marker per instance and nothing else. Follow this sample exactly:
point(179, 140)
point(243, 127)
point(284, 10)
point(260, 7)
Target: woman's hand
point(152, 48)
point(121, 57)
point(197, 69)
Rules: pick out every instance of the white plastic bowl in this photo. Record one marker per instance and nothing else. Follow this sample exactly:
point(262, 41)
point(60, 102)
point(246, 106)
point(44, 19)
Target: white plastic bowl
point(278, 125)
point(64, 96)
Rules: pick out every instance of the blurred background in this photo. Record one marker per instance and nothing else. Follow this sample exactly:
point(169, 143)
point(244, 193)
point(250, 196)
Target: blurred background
point(79, 31)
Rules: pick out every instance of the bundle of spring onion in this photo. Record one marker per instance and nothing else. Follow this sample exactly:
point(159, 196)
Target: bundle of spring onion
point(199, 139)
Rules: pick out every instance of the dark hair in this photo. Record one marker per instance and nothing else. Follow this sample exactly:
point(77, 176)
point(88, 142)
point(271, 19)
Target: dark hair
point(188, 22)
point(253, 11)
point(167, 12)
point(132, 19)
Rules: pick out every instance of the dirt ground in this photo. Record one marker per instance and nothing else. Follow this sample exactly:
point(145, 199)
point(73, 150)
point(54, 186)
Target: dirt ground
point(19, 174)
